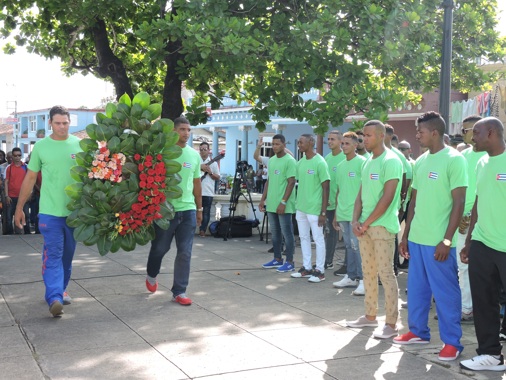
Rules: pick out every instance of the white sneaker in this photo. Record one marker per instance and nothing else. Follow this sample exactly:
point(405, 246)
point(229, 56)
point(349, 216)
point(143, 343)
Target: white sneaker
point(362, 321)
point(360, 291)
point(484, 363)
point(346, 282)
point(385, 332)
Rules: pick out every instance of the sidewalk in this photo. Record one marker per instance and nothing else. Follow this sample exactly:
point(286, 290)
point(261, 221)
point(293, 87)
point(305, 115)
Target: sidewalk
point(245, 323)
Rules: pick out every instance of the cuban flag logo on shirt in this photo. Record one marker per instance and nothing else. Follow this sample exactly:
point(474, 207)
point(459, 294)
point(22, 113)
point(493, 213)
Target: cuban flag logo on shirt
point(277, 172)
point(351, 174)
point(334, 168)
point(433, 175)
point(501, 177)
point(187, 165)
point(374, 177)
point(310, 171)
point(73, 156)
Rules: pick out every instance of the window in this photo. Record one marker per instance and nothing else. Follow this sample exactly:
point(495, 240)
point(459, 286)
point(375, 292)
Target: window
point(33, 123)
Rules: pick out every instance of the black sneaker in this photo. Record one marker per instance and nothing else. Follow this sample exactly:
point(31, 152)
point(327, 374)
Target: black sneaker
point(341, 271)
point(302, 273)
point(271, 250)
point(329, 266)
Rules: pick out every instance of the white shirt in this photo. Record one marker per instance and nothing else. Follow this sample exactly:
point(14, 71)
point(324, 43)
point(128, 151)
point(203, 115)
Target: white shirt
point(208, 182)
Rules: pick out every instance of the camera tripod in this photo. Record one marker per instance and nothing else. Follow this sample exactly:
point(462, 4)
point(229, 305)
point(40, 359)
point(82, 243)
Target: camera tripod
point(239, 181)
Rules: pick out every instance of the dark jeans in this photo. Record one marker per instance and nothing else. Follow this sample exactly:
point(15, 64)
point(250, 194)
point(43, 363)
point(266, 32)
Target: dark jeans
point(183, 228)
point(331, 238)
point(207, 202)
point(282, 227)
point(10, 214)
point(487, 276)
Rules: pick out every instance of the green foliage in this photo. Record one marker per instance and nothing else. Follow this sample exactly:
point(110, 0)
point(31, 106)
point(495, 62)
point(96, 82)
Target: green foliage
point(362, 55)
point(102, 208)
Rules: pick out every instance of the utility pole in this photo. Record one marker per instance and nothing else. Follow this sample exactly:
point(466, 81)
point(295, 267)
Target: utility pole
point(446, 63)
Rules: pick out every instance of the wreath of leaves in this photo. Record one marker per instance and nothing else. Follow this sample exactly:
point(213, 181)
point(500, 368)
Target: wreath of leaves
point(120, 214)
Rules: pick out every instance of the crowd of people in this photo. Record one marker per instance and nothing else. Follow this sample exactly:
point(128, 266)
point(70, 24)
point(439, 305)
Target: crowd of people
point(452, 203)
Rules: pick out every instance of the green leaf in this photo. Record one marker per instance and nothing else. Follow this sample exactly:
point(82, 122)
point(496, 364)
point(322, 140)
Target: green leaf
point(167, 125)
point(78, 173)
point(73, 219)
point(128, 169)
point(84, 159)
point(92, 239)
point(73, 205)
point(124, 109)
point(174, 192)
point(163, 223)
point(156, 110)
point(128, 242)
point(125, 99)
point(88, 145)
point(142, 99)
point(172, 152)
point(110, 109)
point(99, 117)
point(127, 146)
point(172, 167)
point(117, 203)
point(88, 215)
point(90, 130)
point(104, 244)
point(99, 196)
point(158, 143)
point(114, 144)
point(136, 111)
point(116, 244)
point(129, 200)
point(74, 190)
point(142, 146)
point(84, 232)
point(133, 182)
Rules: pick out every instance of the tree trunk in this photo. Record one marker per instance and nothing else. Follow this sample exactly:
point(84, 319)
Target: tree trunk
point(108, 64)
point(172, 103)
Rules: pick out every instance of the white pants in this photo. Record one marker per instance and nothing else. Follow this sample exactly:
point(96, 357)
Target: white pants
point(309, 224)
point(465, 288)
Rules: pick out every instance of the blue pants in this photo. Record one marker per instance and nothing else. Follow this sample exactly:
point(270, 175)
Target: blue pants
point(57, 255)
point(207, 202)
point(183, 228)
point(282, 227)
point(429, 277)
point(353, 258)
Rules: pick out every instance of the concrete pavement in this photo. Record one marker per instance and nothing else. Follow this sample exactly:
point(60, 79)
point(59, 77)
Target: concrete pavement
point(245, 322)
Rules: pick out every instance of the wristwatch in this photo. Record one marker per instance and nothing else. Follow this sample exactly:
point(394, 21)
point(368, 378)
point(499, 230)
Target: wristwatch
point(323, 213)
point(447, 242)
point(200, 209)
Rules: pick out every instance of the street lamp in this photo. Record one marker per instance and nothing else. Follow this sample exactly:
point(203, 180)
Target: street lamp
point(446, 63)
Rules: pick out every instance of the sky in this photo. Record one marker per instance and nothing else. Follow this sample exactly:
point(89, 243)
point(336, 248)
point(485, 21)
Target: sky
point(35, 83)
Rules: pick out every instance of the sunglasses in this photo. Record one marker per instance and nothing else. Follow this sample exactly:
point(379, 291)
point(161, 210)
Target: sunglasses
point(403, 148)
point(360, 140)
point(464, 131)
point(16, 155)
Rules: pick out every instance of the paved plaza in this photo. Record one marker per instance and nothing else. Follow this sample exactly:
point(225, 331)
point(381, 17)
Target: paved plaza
point(245, 322)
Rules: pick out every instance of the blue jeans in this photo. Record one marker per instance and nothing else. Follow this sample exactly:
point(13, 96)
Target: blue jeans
point(207, 202)
point(282, 227)
point(57, 255)
point(354, 261)
point(10, 213)
point(183, 228)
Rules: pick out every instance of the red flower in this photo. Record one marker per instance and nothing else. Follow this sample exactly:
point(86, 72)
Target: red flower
point(159, 157)
point(137, 156)
point(140, 167)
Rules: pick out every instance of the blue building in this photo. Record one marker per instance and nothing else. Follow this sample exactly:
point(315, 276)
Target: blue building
point(34, 125)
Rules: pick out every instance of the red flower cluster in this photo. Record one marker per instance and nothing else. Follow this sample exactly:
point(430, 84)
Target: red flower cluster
point(147, 208)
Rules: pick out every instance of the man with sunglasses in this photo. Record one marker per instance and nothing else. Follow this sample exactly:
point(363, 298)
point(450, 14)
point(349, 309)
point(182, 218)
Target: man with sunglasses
point(360, 146)
point(14, 175)
point(472, 157)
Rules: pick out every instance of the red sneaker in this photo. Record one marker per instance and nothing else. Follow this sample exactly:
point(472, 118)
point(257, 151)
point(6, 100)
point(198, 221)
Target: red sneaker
point(150, 287)
point(409, 338)
point(182, 299)
point(448, 353)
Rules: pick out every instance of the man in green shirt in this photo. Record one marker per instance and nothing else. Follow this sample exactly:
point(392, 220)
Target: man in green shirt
point(435, 210)
point(348, 179)
point(334, 158)
point(360, 146)
point(278, 192)
point(188, 216)
point(54, 156)
point(311, 206)
point(375, 223)
point(485, 248)
point(472, 157)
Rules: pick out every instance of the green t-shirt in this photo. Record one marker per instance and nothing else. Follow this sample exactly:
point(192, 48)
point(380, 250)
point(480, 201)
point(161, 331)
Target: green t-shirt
point(280, 169)
point(366, 155)
point(375, 173)
point(54, 158)
point(436, 175)
point(491, 193)
point(472, 159)
point(349, 174)
point(406, 167)
point(311, 174)
point(190, 169)
point(332, 162)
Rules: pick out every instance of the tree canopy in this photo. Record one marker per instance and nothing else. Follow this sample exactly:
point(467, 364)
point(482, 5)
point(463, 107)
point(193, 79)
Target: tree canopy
point(363, 55)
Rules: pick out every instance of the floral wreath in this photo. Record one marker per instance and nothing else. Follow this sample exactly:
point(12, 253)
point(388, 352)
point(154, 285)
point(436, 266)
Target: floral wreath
point(125, 176)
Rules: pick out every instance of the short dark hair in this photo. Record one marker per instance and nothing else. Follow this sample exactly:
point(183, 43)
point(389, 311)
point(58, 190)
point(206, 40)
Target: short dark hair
point(395, 138)
point(279, 137)
point(380, 127)
point(310, 137)
point(359, 132)
point(58, 110)
point(434, 121)
point(204, 143)
point(16, 149)
point(474, 118)
point(180, 120)
point(389, 130)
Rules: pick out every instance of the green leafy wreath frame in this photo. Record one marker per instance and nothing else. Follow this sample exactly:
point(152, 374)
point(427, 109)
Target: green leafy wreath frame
point(125, 176)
